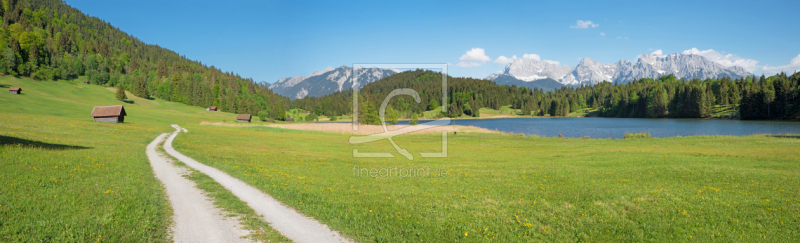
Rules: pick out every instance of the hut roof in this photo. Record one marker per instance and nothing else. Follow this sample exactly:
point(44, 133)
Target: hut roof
point(14, 89)
point(243, 117)
point(213, 107)
point(100, 111)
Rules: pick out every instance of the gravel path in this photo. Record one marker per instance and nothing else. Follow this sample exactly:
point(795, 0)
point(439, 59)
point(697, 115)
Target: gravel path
point(196, 218)
point(282, 218)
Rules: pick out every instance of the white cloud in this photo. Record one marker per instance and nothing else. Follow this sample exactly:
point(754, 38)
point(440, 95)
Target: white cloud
point(622, 37)
point(475, 55)
point(473, 58)
point(727, 60)
point(552, 62)
point(531, 56)
point(657, 53)
point(583, 24)
point(468, 64)
point(502, 60)
point(789, 68)
point(603, 34)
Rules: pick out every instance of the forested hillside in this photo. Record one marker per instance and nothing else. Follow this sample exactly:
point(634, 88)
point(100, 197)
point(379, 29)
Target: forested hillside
point(49, 40)
point(465, 96)
point(775, 97)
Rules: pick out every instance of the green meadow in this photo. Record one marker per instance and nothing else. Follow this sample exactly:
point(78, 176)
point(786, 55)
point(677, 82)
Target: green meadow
point(504, 188)
point(67, 178)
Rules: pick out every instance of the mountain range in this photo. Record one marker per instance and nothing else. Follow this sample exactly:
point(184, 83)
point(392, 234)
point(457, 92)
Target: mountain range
point(542, 74)
point(328, 81)
point(532, 73)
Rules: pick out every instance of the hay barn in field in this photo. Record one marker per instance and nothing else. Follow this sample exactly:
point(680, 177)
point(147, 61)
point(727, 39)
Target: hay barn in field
point(113, 114)
point(86, 82)
point(15, 90)
point(211, 108)
point(289, 119)
point(243, 117)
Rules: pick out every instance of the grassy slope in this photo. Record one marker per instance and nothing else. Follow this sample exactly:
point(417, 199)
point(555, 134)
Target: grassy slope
point(71, 179)
point(498, 187)
point(509, 188)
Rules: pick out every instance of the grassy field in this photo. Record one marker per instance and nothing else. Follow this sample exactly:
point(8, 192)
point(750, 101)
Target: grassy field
point(512, 188)
point(66, 178)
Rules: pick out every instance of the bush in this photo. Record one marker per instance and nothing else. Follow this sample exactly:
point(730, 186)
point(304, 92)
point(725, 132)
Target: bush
point(311, 117)
point(333, 118)
point(414, 119)
point(638, 135)
point(262, 115)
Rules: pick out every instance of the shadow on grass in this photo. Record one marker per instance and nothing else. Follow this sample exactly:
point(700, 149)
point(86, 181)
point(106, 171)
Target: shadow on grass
point(128, 101)
point(12, 141)
point(786, 136)
point(5, 86)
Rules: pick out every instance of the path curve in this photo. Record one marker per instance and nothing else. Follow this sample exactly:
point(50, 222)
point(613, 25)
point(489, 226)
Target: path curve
point(196, 218)
point(284, 219)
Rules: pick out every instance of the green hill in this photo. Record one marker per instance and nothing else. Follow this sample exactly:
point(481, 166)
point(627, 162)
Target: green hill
point(49, 40)
point(67, 178)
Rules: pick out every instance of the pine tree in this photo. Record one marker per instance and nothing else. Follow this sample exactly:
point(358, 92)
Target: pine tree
point(121, 92)
point(140, 87)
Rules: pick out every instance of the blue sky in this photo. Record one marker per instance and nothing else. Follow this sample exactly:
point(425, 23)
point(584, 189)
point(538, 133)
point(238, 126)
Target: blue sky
point(268, 40)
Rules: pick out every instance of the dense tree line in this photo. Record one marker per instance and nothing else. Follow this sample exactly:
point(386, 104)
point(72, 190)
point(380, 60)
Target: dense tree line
point(775, 97)
point(49, 40)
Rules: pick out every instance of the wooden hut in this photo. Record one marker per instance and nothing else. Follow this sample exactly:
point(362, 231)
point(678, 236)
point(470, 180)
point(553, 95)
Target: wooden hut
point(86, 82)
point(15, 90)
point(113, 114)
point(211, 108)
point(290, 119)
point(243, 117)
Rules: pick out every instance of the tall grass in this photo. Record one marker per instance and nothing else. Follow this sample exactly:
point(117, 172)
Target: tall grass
point(638, 135)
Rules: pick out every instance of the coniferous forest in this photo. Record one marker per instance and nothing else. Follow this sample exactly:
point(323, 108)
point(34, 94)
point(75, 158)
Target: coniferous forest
point(49, 40)
point(775, 97)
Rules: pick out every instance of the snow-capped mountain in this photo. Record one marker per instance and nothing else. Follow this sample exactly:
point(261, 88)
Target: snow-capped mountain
point(588, 71)
point(328, 81)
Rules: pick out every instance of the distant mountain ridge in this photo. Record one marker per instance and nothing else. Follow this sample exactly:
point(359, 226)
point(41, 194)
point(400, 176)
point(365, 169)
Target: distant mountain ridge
point(588, 71)
point(328, 81)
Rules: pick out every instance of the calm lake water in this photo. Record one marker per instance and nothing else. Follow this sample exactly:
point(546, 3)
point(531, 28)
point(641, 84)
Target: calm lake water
point(597, 127)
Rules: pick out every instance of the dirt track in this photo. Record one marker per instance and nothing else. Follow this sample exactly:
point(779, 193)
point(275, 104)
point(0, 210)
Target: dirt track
point(284, 219)
point(195, 217)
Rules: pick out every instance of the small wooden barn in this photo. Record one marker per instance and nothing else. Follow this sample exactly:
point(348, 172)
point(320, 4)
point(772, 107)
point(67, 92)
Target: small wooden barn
point(243, 117)
point(86, 82)
point(15, 90)
point(211, 108)
point(113, 114)
point(290, 119)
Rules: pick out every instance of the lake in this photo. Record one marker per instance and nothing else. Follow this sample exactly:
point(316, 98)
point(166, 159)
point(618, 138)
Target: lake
point(597, 127)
